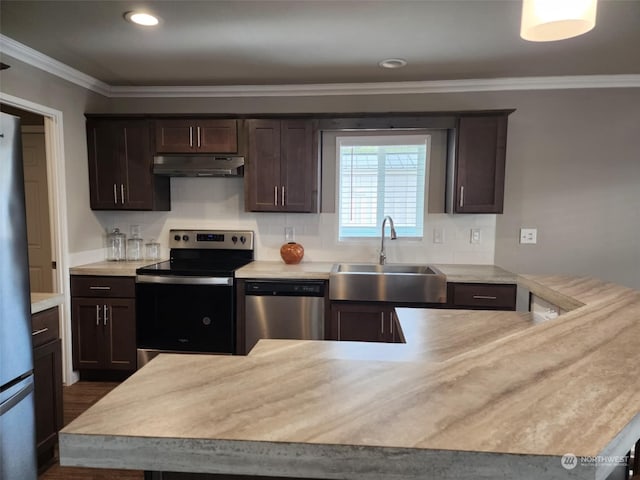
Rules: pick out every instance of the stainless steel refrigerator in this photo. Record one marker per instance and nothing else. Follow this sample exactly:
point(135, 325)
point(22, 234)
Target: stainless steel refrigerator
point(17, 422)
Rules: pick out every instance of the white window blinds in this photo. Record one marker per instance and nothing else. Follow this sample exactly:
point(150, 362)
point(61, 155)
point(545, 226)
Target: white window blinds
point(381, 175)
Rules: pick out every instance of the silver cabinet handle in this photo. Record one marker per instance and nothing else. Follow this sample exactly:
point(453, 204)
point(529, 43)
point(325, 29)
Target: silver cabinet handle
point(97, 315)
point(122, 193)
point(382, 322)
point(115, 194)
point(391, 325)
point(191, 137)
point(99, 287)
point(462, 196)
point(485, 297)
point(275, 196)
point(199, 143)
point(105, 316)
point(38, 332)
point(283, 196)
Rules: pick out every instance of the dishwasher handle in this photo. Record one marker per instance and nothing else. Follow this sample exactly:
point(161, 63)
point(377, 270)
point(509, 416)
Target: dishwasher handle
point(285, 288)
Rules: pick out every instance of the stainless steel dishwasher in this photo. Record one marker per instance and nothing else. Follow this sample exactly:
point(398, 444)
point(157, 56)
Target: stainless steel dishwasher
point(284, 309)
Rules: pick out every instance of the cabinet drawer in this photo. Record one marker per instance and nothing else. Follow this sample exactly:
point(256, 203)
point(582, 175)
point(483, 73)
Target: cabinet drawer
point(44, 327)
point(88, 286)
point(482, 295)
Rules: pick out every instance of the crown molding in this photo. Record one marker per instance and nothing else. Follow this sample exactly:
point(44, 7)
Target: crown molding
point(38, 60)
point(28, 55)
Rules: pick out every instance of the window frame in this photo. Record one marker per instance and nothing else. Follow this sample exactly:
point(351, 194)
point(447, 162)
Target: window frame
point(376, 138)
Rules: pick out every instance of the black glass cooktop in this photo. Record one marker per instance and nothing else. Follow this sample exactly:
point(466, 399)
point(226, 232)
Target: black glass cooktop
point(218, 263)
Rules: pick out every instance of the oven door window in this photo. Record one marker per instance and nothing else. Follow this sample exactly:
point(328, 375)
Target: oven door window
point(190, 318)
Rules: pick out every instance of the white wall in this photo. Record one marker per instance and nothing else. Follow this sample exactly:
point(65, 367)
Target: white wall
point(28, 83)
point(218, 203)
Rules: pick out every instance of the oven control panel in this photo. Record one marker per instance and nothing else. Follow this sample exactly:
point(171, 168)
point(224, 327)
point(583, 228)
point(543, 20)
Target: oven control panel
point(212, 239)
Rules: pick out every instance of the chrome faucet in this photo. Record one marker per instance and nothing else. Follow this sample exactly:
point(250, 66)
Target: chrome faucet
point(383, 255)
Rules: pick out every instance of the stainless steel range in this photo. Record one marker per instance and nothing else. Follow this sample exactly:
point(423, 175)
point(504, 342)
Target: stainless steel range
point(187, 304)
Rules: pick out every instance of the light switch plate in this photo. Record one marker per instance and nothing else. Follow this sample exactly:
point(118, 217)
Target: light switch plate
point(528, 236)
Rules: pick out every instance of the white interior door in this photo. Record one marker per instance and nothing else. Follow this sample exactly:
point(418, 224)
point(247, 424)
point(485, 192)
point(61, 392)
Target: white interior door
point(37, 201)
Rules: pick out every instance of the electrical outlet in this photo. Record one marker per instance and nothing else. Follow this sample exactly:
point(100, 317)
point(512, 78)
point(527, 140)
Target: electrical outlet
point(476, 236)
point(528, 235)
point(438, 235)
point(289, 234)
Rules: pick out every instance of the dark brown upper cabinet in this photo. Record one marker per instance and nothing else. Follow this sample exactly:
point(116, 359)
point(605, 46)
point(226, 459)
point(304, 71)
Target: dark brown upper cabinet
point(477, 164)
point(120, 166)
point(197, 135)
point(281, 170)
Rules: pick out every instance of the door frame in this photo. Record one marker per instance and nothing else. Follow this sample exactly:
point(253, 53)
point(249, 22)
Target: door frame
point(56, 186)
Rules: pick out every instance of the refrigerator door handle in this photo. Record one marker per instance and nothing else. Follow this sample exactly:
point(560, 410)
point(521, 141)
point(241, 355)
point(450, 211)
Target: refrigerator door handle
point(15, 399)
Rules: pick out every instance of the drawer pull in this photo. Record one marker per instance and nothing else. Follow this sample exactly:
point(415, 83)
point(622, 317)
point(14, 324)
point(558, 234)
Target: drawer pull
point(38, 332)
point(99, 288)
point(485, 297)
point(97, 315)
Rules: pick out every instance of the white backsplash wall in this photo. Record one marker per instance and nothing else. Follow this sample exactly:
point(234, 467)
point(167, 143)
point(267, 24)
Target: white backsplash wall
point(218, 203)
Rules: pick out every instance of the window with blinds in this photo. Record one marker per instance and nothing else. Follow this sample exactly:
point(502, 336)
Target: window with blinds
point(381, 175)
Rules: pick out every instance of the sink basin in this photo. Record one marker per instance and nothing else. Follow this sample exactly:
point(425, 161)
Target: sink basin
point(394, 283)
point(388, 268)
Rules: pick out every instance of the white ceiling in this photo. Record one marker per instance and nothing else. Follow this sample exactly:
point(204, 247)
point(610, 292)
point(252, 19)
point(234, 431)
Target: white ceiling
point(237, 42)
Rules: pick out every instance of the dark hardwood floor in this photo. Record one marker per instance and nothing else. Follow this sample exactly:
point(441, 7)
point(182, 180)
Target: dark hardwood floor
point(76, 399)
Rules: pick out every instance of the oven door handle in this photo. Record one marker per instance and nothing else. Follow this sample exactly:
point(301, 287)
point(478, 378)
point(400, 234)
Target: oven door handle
point(172, 280)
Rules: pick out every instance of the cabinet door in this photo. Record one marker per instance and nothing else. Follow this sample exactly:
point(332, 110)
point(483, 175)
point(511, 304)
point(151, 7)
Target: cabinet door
point(217, 136)
point(120, 335)
point(87, 320)
point(480, 164)
point(103, 140)
point(136, 188)
point(262, 168)
point(297, 175)
point(121, 166)
point(47, 376)
point(361, 322)
point(175, 136)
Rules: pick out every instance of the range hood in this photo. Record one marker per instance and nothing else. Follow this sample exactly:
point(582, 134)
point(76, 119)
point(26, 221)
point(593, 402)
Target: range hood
point(198, 166)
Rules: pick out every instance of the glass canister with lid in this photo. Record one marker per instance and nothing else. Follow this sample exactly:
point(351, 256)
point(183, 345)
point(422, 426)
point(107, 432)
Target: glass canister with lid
point(116, 245)
point(134, 248)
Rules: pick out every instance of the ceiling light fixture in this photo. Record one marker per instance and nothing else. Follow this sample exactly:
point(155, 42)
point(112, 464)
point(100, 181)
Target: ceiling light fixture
point(549, 20)
point(142, 18)
point(393, 63)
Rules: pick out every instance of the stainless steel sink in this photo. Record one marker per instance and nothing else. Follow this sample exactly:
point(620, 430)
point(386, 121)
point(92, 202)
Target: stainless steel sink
point(396, 283)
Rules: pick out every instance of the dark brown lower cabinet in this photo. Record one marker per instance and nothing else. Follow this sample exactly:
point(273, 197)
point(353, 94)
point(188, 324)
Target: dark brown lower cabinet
point(103, 322)
point(363, 322)
point(47, 374)
point(482, 296)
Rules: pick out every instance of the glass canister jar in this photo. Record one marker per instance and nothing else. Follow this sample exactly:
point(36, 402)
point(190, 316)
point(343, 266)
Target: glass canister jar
point(134, 248)
point(116, 245)
point(152, 250)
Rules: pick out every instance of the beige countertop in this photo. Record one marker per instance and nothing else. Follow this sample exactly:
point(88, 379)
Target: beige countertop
point(506, 399)
point(321, 270)
point(280, 270)
point(118, 269)
point(45, 301)
point(304, 270)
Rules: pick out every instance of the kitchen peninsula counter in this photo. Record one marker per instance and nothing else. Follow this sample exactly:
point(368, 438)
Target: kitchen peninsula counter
point(506, 406)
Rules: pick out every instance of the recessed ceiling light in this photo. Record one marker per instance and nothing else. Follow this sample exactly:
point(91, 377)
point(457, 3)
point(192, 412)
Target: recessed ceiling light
point(393, 63)
point(142, 18)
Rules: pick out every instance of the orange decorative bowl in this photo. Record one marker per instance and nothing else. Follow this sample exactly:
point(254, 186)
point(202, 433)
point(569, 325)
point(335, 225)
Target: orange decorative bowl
point(292, 253)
